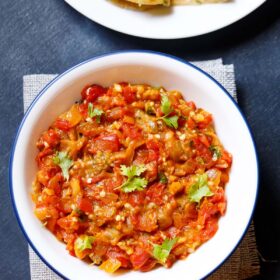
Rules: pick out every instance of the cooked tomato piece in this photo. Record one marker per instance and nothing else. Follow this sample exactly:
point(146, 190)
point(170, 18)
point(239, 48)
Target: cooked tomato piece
point(112, 183)
point(128, 119)
point(55, 183)
point(153, 149)
point(123, 84)
point(85, 205)
point(91, 93)
point(69, 239)
point(191, 104)
point(41, 155)
point(141, 156)
point(208, 210)
point(210, 229)
point(129, 94)
point(219, 196)
point(49, 138)
point(204, 140)
point(149, 265)
point(100, 177)
point(68, 223)
point(172, 232)
point(191, 123)
point(155, 193)
point(207, 120)
point(151, 171)
point(139, 258)
point(105, 143)
point(136, 198)
point(182, 122)
point(48, 214)
point(227, 157)
point(190, 211)
point(118, 254)
point(116, 114)
point(83, 108)
point(62, 124)
point(203, 151)
point(153, 155)
point(147, 221)
point(131, 131)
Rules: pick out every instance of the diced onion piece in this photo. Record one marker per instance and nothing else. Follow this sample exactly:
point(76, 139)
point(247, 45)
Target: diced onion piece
point(175, 187)
point(110, 266)
point(73, 116)
point(81, 253)
point(214, 175)
point(75, 185)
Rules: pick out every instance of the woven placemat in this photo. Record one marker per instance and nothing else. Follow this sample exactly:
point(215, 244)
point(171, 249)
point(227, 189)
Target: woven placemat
point(244, 262)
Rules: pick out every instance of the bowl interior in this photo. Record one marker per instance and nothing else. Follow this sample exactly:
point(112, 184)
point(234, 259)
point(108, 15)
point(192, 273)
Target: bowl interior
point(156, 70)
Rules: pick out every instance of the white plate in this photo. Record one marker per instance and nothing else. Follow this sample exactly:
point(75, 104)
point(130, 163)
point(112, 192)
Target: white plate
point(165, 23)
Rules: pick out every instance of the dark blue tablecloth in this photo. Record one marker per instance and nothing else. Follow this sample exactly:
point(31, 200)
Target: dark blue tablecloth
point(49, 37)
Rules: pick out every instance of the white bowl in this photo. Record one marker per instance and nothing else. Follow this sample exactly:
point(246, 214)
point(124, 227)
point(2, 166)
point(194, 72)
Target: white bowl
point(155, 69)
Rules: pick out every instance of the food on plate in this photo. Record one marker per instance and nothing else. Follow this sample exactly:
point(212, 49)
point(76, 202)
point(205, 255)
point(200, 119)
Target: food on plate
point(173, 2)
point(131, 176)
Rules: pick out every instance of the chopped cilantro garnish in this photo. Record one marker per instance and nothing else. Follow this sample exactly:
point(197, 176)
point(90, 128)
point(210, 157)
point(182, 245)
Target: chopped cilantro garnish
point(162, 178)
point(165, 105)
point(133, 182)
point(171, 121)
point(95, 112)
point(161, 252)
point(132, 171)
point(166, 109)
point(64, 162)
point(216, 152)
point(200, 189)
point(84, 242)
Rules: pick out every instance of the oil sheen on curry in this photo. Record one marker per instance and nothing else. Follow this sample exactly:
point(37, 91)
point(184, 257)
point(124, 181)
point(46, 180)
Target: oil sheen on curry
point(131, 177)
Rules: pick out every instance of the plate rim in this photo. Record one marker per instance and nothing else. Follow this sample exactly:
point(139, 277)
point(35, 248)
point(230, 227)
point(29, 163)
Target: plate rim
point(72, 4)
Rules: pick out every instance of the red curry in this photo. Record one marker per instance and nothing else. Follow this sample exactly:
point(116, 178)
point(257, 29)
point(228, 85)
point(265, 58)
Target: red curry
point(131, 176)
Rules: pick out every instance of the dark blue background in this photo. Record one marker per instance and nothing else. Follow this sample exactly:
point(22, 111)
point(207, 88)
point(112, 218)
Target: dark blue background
point(49, 37)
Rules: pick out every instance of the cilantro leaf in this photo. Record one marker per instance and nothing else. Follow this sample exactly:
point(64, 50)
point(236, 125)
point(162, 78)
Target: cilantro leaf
point(202, 180)
point(165, 105)
point(216, 152)
point(84, 242)
point(64, 162)
point(167, 109)
point(198, 193)
point(90, 110)
point(200, 189)
point(132, 171)
point(161, 252)
point(162, 178)
point(171, 121)
point(133, 182)
point(95, 112)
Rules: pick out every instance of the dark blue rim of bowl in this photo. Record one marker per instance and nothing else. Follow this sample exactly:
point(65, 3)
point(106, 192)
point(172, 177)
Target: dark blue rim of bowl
point(95, 58)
